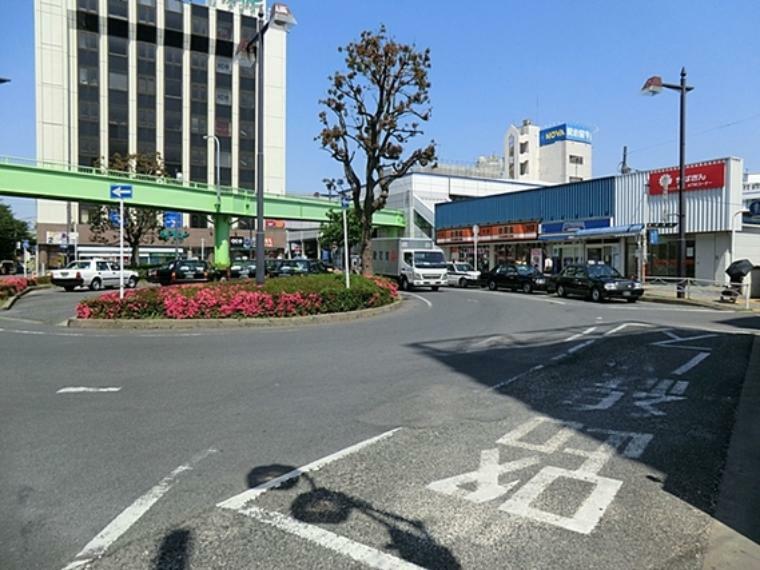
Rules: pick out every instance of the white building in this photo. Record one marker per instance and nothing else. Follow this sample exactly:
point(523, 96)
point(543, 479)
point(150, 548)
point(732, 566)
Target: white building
point(557, 154)
point(129, 76)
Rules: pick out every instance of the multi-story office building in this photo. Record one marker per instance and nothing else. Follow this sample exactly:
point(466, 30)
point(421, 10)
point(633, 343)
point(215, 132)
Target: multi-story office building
point(146, 76)
point(556, 154)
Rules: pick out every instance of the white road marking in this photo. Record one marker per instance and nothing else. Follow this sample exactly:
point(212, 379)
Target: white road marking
point(355, 550)
point(589, 330)
point(626, 325)
point(129, 516)
point(680, 388)
point(696, 359)
point(580, 346)
point(544, 298)
point(239, 501)
point(517, 377)
point(421, 298)
point(87, 389)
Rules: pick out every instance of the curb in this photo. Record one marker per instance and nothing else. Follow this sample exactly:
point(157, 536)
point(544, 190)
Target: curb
point(728, 307)
point(179, 324)
point(734, 535)
point(10, 301)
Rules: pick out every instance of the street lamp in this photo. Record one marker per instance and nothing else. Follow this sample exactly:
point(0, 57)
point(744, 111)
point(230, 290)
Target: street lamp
point(653, 86)
point(733, 231)
point(218, 170)
point(281, 17)
point(4, 80)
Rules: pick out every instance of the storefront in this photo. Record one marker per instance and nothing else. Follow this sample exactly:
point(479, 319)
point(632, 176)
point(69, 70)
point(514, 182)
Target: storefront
point(496, 243)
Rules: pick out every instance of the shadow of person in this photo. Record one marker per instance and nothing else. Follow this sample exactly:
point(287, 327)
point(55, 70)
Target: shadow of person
point(174, 551)
point(409, 538)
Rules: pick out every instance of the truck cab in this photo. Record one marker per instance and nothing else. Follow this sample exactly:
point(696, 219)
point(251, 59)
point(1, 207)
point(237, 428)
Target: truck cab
point(414, 262)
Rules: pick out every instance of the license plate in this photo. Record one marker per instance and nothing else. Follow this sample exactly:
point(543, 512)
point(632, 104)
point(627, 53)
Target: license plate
point(65, 274)
point(626, 293)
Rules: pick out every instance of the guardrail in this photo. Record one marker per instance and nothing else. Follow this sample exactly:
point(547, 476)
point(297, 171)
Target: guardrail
point(699, 289)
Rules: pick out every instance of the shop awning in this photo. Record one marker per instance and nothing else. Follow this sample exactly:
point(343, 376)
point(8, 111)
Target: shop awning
point(614, 231)
point(566, 236)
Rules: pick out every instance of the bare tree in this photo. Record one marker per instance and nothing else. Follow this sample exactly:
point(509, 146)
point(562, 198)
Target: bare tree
point(141, 225)
point(373, 109)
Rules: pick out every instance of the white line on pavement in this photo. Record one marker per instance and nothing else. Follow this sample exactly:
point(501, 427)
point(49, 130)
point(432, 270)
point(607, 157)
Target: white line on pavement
point(695, 360)
point(87, 389)
point(626, 325)
point(578, 347)
point(355, 550)
point(239, 501)
point(515, 378)
point(129, 516)
point(421, 298)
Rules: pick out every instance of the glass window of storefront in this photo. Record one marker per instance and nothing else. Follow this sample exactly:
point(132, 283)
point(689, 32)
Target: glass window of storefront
point(662, 260)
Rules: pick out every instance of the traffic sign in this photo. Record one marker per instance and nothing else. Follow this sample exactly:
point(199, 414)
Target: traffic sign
point(345, 202)
point(114, 218)
point(654, 237)
point(172, 220)
point(121, 191)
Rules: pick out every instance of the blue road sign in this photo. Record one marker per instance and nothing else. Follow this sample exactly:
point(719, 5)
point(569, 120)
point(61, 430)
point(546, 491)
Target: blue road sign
point(113, 217)
point(345, 202)
point(121, 191)
point(172, 220)
point(247, 243)
point(654, 237)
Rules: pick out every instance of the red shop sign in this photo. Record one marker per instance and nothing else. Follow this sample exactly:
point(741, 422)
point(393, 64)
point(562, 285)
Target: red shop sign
point(699, 177)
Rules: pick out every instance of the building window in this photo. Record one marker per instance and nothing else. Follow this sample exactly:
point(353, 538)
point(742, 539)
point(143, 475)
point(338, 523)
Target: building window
point(118, 8)
point(223, 96)
point(575, 159)
point(575, 178)
point(224, 65)
point(198, 221)
point(88, 5)
point(117, 81)
point(173, 14)
point(523, 147)
point(224, 25)
point(524, 168)
point(146, 11)
point(88, 76)
point(200, 20)
point(511, 146)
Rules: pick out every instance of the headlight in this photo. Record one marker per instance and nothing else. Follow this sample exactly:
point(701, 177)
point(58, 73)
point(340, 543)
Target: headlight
point(637, 285)
point(540, 281)
point(610, 286)
point(416, 275)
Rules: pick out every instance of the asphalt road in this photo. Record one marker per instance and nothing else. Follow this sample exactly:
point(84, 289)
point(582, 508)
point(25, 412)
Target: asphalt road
point(515, 432)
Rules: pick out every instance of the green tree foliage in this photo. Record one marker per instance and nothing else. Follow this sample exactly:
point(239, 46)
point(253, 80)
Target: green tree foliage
point(141, 225)
point(373, 110)
point(12, 230)
point(331, 231)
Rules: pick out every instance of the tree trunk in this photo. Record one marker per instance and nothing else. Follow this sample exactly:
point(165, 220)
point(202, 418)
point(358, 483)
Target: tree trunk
point(134, 258)
point(366, 249)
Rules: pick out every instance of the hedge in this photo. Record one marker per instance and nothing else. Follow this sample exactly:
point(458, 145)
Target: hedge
point(280, 297)
point(10, 286)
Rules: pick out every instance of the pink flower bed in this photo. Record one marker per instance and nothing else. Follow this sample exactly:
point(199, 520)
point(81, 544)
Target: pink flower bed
point(10, 286)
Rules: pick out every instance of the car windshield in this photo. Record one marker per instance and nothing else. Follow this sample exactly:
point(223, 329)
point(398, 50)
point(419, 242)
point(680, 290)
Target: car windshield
point(526, 270)
point(602, 271)
point(462, 267)
point(78, 265)
point(192, 265)
point(432, 259)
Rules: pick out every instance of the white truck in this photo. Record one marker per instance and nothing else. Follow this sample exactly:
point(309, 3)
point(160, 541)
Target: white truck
point(414, 262)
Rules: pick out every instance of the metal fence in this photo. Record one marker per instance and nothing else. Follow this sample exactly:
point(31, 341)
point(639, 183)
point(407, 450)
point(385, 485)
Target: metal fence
point(699, 289)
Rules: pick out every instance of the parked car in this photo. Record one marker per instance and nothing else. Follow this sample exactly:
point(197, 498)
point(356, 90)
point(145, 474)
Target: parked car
point(515, 277)
point(460, 274)
point(93, 273)
point(181, 271)
point(596, 282)
point(10, 267)
point(292, 267)
point(238, 270)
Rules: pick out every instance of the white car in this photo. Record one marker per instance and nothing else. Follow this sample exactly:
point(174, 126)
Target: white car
point(461, 274)
point(93, 273)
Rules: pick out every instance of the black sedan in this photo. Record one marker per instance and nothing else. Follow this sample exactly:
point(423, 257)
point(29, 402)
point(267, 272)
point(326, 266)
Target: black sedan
point(238, 270)
point(516, 277)
point(292, 267)
point(181, 271)
point(596, 282)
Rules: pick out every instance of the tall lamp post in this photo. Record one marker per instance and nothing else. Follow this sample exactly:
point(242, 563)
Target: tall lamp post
point(218, 180)
point(281, 17)
point(733, 231)
point(653, 86)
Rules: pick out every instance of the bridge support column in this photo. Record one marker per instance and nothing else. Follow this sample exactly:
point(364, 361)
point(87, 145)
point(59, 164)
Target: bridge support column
point(222, 225)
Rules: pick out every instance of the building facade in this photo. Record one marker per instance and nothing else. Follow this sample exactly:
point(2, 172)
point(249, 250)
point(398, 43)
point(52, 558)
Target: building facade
point(627, 221)
point(557, 154)
point(154, 76)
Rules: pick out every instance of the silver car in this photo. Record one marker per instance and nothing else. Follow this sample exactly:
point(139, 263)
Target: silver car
point(461, 274)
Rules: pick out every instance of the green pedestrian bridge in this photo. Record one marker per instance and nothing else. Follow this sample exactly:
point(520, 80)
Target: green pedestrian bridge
point(54, 181)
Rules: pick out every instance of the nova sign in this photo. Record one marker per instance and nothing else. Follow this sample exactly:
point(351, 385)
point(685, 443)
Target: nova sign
point(565, 132)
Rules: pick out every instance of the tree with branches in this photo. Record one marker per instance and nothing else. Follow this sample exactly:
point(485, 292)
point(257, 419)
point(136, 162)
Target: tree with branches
point(373, 110)
point(141, 225)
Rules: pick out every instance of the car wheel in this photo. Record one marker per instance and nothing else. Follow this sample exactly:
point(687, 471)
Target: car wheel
point(463, 283)
point(634, 299)
point(404, 284)
point(596, 295)
point(492, 285)
point(434, 288)
point(132, 283)
point(527, 288)
point(561, 291)
point(96, 285)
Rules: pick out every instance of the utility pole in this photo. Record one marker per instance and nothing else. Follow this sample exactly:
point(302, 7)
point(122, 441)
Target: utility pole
point(624, 168)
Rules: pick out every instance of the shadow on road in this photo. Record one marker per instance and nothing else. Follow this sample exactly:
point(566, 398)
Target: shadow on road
point(174, 551)
point(408, 539)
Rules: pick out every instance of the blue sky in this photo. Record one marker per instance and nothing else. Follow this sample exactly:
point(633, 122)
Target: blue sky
point(496, 62)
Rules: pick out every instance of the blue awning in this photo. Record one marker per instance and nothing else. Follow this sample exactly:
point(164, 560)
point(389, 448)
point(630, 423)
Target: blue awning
point(566, 236)
point(617, 231)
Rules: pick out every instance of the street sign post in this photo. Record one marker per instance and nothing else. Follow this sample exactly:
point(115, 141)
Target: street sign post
point(345, 202)
point(121, 192)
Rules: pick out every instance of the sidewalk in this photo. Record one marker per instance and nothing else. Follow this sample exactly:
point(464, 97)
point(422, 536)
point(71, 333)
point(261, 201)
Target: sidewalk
point(734, 536)
point(668, 297)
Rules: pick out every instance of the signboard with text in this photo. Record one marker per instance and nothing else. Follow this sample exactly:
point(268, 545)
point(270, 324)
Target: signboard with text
point(490, 233)
point(698, 177)
point(564, 132)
